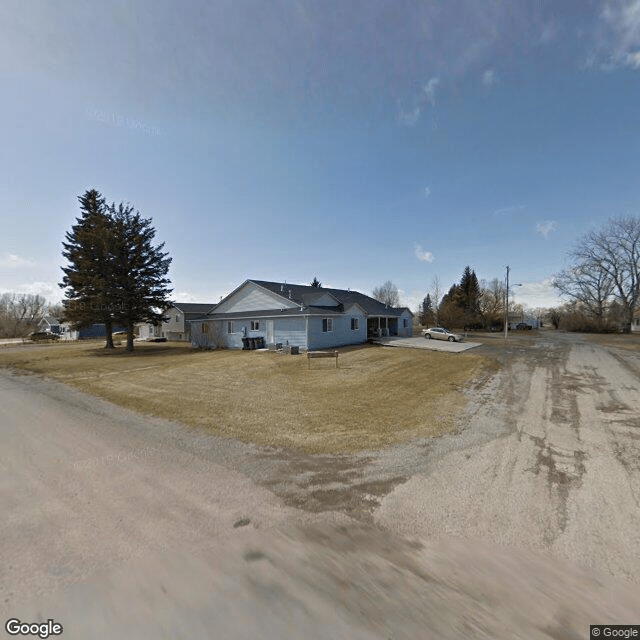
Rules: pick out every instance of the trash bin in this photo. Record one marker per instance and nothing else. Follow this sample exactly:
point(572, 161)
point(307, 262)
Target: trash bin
point(245, 343)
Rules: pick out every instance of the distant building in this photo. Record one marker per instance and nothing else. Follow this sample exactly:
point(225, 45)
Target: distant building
point(176, 325)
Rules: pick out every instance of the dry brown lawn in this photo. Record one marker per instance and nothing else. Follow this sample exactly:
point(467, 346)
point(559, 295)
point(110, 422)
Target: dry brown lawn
point(378, 396)
point(620, 340)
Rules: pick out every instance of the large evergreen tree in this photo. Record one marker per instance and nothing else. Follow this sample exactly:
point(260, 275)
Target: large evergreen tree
point(426, 311)
point(115, 273)
point(470, 292)
point(140, 270)
point(89, 275)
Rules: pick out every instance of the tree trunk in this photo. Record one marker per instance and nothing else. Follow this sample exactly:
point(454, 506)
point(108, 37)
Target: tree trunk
point(108, 327)
point(130, 337)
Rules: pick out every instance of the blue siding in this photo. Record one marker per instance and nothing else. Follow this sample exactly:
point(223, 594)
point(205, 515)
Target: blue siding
point(341, 335)
point(97, 331)
point(405, 318)
point(288, 331)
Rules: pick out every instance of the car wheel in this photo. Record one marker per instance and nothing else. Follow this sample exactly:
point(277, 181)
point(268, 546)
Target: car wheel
point(452, 339)
point(427, 336)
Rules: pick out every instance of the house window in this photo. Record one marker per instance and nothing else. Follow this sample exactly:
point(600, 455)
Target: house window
point(255, 325)
point(327, 324)
point(405, 323)
point(177, 318)
point(355, 324)
point(230, 328)
point(205, 327)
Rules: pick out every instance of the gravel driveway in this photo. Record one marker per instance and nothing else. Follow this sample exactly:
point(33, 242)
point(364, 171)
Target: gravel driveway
point(526, 524)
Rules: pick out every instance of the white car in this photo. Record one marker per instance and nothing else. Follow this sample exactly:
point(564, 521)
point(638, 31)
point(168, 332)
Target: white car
point(440, 333)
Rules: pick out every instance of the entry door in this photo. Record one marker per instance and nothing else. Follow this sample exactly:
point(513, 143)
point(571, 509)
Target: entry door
point(270, 336)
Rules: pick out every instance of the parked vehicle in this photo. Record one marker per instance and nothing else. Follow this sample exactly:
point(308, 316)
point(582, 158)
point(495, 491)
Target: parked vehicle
point(38, 336)
point(440, 333)
point(523, 326)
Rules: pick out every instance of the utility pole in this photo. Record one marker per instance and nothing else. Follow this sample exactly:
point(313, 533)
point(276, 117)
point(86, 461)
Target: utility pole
point(506, 308)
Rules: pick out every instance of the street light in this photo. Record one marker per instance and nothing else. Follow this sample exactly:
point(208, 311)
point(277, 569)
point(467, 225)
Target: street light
point(506, 306)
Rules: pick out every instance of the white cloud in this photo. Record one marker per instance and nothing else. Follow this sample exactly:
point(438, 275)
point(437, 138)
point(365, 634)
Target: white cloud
point(14, 261)
point(546, 227)
point(622, 42)
point(489, 78)
point(428, 95)
point(549, 32)
point(506, 210)
point(422, 255)
point(537, 294)
point(430, 90)
point(409, 117)
point(633, 59)
point(411, 300)
point(427, 192)
point(48, 290)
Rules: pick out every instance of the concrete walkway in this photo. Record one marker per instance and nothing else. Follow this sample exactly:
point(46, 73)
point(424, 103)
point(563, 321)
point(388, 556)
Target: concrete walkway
point(423, 343)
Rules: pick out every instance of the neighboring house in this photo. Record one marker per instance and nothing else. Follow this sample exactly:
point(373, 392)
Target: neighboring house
point(523, 318)
point(298, 315)
point(50, 324)
point(635, 324)
point(176, 321)
point(94, 331)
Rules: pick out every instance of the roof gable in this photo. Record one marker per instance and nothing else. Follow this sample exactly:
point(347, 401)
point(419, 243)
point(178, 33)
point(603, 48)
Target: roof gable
point(251, 296)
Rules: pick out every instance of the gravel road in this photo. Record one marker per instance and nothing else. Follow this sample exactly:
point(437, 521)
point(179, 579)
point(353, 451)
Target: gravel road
point(526, 524)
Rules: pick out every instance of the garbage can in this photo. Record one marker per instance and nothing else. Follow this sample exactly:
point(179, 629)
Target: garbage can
point(245, 344)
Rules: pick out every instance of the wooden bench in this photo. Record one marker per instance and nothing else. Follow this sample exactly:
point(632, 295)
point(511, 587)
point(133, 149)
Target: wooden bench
point(322, 354)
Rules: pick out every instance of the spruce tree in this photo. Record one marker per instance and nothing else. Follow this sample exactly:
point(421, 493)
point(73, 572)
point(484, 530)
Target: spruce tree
point(88, 277)
point(140, 270)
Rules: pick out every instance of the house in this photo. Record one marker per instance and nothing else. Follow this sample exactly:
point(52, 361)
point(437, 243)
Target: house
point(50, 325)
point(176, 325)
point(635, 323)
point(297, 315)
point(520, 317)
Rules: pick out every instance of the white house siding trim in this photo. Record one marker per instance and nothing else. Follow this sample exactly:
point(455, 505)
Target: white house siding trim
point(251, 297)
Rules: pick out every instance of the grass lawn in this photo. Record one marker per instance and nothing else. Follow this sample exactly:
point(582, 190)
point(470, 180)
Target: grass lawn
point(378, 396)
point(621, 340)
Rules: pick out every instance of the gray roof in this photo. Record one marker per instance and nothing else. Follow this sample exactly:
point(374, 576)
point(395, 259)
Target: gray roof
point(273, 313)
point(194, 309)
point(300, 294)
point(51, 320)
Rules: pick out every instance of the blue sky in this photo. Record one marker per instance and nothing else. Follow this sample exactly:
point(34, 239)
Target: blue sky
point(356, 142)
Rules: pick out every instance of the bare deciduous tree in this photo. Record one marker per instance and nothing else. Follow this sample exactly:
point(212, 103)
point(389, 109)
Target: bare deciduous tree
point(387, 294)
point(20, 314)
point(605, 267)
point(436, 296)
point(492, 298)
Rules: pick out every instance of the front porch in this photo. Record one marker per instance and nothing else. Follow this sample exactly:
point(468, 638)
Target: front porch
point(382, 326)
